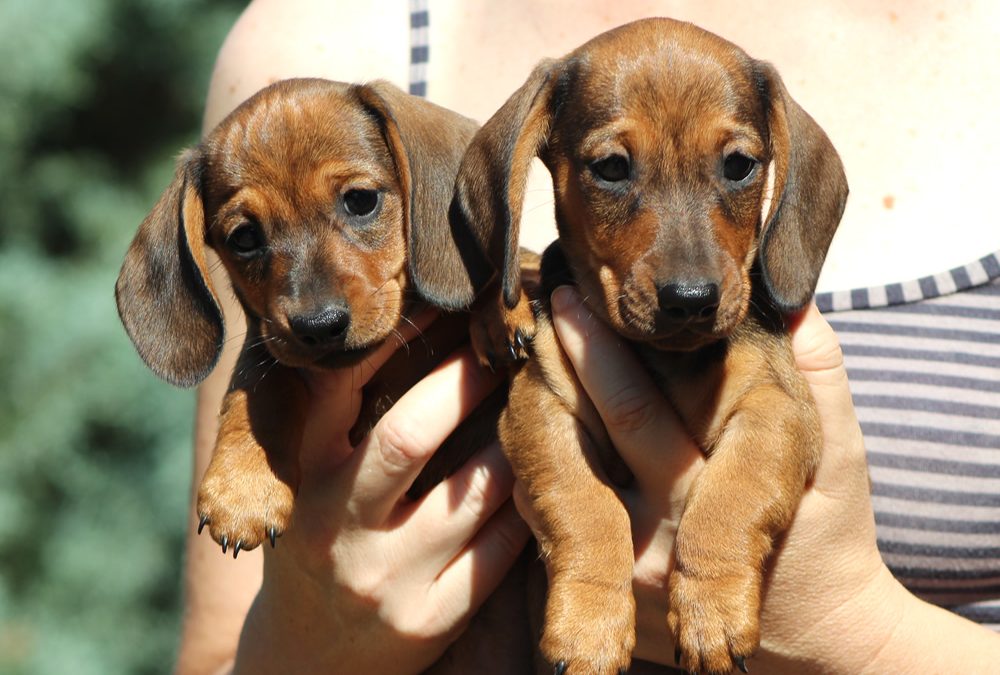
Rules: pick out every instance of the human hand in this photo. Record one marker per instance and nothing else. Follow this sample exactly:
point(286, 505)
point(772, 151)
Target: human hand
point(826, 566)
point(366, 580)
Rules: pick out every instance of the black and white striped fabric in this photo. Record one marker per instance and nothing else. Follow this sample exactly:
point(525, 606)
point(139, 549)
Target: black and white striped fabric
point(923, 360)
point(419, 46)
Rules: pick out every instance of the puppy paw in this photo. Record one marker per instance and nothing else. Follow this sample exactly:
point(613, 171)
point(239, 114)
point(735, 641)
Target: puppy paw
point(502, 336)
point(714, 621)
point(588, 630)
point(243, 509)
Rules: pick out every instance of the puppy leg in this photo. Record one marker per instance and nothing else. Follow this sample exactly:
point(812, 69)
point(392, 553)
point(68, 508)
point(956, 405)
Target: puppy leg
point(745, 496)
point(500, 335)
point(582, 529)
point(246, 495)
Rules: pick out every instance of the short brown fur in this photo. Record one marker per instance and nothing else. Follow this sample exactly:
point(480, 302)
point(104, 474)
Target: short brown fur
point(324, 285)
point(680, 253)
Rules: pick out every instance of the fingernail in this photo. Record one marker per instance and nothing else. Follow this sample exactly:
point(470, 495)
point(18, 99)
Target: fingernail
point(564, 298)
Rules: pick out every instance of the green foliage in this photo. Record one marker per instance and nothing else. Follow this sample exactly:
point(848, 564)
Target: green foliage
point(96, 99)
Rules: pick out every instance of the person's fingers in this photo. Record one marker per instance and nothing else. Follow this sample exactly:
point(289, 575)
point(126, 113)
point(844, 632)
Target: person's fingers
point(465, 584)
point(819, 358)
point(448, 517)
point(641, 423)
point(385, 463)
point(335, 396)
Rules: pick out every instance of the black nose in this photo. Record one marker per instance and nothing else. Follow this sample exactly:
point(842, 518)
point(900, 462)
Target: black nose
point(321, 328)
point(689, 299)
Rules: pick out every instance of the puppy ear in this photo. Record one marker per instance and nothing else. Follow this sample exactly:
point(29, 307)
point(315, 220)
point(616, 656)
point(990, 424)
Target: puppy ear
point(810, 192)
point(164, 293)
point(427, 143)
point(489, 190)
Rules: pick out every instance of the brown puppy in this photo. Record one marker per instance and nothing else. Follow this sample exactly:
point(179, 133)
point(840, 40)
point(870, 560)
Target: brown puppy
point(328, 206)
point(695, 202)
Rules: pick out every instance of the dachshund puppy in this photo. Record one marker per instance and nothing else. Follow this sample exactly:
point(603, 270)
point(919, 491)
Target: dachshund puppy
point(327, 203)
point(695, 202)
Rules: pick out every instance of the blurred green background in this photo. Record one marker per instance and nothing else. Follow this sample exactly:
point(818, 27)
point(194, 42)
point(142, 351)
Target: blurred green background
point(96, 99)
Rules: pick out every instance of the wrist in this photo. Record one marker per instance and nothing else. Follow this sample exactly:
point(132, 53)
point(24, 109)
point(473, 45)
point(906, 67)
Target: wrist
point(931, 639)
point(298, 624)
point(836, 630)
point(287, 629)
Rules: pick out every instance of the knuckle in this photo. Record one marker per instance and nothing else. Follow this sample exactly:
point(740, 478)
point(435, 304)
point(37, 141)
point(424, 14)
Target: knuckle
point(365, 587)
point(510, 539)
point(400, 443)
point(436, 618)
point(416, 625)
point(477, 492)
point(629, 409)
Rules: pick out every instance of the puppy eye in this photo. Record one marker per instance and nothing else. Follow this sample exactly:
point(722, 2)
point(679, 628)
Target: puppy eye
point(613, 169)
point(247, 240)
point(361, 202)
point(737, 166)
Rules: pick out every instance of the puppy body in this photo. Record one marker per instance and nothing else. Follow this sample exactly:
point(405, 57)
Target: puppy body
point(695, 202)
point(327, 203)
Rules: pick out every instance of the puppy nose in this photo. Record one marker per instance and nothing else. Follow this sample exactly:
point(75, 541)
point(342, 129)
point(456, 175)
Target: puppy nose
point(321, 328)
point(689, 299)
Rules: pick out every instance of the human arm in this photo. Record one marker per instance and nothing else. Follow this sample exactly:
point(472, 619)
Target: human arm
point(830, 604)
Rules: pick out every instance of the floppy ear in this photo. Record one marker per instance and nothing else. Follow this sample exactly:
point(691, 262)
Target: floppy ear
point(164, 294)
point(810, 192)
point(426, 142)
point(489, 190)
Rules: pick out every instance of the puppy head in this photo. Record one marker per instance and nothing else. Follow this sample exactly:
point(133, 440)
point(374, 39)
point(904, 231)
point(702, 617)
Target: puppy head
point(681, 168)
point(326, 203)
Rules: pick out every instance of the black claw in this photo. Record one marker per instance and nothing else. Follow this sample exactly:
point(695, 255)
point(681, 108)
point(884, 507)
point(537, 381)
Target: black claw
point(491, 359)
point(512, 352)
point(677, 656)
point(272, 534)
point(522, 341)
point(560, 668)
point(236, 549)
point(225, 543)
point(202, 523)
point(741, 663)
point(621, 671)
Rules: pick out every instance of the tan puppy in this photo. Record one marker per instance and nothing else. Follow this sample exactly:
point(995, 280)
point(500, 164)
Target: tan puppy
point(328, 205)
point(695, 202)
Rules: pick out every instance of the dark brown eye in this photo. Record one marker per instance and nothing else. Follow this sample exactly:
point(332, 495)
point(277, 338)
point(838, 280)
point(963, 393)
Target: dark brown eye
point(613, 169)
point(247, 240)
point(361, 202)
point(738, 167)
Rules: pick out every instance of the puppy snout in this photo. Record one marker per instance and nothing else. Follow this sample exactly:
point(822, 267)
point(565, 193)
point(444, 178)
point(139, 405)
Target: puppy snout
point(321, 328)
point(684, 300)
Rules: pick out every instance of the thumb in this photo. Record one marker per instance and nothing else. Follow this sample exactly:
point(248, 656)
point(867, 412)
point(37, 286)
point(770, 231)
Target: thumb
point(820, 359)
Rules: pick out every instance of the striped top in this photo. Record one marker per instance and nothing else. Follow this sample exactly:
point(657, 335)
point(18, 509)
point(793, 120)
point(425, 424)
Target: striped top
point(923, 360)
point(420, 19)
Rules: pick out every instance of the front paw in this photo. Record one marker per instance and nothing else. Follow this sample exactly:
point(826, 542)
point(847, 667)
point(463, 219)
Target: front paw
point(589, 630)
point(502, 336)
point(242, 509)
point(714, 620)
